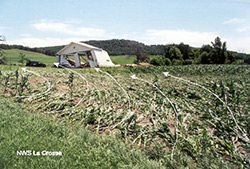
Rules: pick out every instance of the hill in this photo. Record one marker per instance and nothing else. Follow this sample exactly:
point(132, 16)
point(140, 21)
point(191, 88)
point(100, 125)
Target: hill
point(114, 47)
point(13, 56)
point(118, 47)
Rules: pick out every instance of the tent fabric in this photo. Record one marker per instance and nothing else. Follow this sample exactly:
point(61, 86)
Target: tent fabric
point(100, 57)
point(75, 47)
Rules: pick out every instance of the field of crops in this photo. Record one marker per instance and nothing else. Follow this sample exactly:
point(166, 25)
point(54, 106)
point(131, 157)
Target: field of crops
point(176, 123)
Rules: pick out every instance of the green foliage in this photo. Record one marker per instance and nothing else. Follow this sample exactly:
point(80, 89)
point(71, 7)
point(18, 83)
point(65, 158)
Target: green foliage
point(6, 82)
point(167, 61)
point(177, 62)
point(217, 44)
point(218, 54)
point(118, 47)
point(246, 59)
point(23, 84)
point(230, 58)
point(185, 50)
point(188, 62)
point(206, 48)
point(141, 55)
point(207, 54)
point(22, 58)
point(205, 58)
point(157, 61)
point(173, 53)
point(239, 62)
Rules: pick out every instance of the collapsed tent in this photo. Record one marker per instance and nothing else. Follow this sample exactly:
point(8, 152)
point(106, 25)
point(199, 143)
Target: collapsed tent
point(93, 56)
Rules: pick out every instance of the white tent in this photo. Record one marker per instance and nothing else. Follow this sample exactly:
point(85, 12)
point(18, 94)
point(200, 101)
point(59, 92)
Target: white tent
point(96, 57)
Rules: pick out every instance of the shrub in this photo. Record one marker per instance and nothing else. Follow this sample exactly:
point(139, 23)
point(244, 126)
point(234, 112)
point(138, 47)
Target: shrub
point(239, 62)
point(188, 62)
point(205, 58)
point(167, 61)
point(156, 61)
point(177, 62)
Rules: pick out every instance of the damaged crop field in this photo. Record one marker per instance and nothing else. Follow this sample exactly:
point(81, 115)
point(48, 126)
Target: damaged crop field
point(195, 129)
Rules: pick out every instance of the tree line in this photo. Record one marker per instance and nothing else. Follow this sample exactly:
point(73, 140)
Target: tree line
point(216, 53)
point(171, 54)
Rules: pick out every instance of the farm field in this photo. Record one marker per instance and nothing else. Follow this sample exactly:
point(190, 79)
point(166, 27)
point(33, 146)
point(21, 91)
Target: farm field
point(137, 111)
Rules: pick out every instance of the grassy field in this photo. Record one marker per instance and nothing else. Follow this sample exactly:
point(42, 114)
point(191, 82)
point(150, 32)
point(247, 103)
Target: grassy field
point(80, 148)
point(123, 59)
point(139, 114)
point(13, 56)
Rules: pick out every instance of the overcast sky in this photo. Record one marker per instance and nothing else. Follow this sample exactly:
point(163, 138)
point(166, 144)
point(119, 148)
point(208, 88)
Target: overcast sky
point(37, 23)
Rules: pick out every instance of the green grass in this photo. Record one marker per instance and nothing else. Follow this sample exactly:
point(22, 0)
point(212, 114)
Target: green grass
point(123, 59)
point(13, 56)
point(80, 148)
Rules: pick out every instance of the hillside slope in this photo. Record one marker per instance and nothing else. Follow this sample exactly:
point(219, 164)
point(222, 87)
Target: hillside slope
point(14, 56)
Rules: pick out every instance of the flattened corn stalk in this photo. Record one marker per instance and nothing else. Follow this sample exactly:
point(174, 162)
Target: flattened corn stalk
point(83, 97)
point(172, 105)
point(209, 91)
point(129, 114)
point(34, 95)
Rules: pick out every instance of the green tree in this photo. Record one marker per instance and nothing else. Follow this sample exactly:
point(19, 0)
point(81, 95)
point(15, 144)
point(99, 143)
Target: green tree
point(156, 61)
point(141, 55)
point(223, 53)
point(175, 53)
point(206, 48)
point(185, 50)
point(246, 59)
point(219, 52)
point(176, 62)
point(205, 58)
point(217, 43)
point(230, 58)
point(166, 61)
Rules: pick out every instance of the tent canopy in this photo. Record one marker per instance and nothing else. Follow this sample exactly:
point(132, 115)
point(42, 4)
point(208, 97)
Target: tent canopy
point(75, 47)
point(97, 57)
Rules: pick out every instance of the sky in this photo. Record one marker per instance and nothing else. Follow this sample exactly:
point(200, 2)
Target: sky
point(39, 23)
